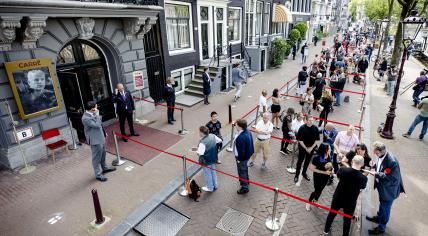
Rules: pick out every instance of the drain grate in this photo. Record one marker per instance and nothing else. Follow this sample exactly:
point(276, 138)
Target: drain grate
point(235, 222)
point(163, 221)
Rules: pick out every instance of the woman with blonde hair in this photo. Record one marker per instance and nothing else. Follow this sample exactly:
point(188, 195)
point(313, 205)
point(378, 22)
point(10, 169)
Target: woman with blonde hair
point(326, 104)
point(307, 99)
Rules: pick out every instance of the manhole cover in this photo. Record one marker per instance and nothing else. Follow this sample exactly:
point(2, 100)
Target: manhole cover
point(235, 222)
point(163, 221)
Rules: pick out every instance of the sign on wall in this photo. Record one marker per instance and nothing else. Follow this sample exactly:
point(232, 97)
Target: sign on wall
point(34, 86)
point(138, 80)
point(24, 134)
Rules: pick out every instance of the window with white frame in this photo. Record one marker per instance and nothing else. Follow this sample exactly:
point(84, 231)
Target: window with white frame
point(277, 27)
point(259, 17)
point(249, 17)
point(234, 24)
point(178, 26)
point(266, 18)
point(183, 77)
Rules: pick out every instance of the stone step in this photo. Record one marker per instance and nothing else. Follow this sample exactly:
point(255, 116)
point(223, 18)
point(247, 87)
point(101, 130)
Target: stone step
point(194, 92)
point(195, 86)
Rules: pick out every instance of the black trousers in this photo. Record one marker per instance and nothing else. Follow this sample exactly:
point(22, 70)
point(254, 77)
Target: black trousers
point(126, 115)
point(320, 181)
point(284, 145)
point(303, 156)
point(323, 115)
point(348, 208)
point(170, 111)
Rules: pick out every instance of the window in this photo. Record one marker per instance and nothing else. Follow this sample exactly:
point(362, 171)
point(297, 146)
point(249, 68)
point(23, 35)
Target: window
point(234, 23)
point(277, 28)
point(266, 19)
point(249, 19)
point(183, 77)
point(259, 20)
point(66, 56)
point(178, 26)
point(89, 53)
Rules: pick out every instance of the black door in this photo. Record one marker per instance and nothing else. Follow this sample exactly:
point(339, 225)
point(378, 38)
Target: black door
point(204, 36)
point(154, 62)
point(262, 60)
point(83, 77)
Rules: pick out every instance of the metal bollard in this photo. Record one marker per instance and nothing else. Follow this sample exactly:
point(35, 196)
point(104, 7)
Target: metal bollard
point(230, 114)
point(72, 146)
point(183, 131)
point(362, 103)
point(118, 161)
point(257, 116)
point(230, 148)
point(97, 207)
point(361, 121)
point(183, 191)
point(272, 223)
point(288, 89)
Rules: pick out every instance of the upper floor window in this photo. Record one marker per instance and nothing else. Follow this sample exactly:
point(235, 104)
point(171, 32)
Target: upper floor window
point(259, 17)
point(266, 18)
point(234, 23)
point(178, 26)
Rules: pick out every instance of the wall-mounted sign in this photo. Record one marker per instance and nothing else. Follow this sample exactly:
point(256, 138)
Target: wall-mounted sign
point(34, 86)
point(24, 134)
point(138, 80)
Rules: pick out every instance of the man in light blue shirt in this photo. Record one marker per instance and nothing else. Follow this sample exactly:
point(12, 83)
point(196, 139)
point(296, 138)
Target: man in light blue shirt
point(237, 79)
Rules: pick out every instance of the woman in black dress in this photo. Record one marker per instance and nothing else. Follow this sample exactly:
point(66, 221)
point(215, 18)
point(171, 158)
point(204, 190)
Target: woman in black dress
point(275, 108)
point(286, 130)
point(322, 168)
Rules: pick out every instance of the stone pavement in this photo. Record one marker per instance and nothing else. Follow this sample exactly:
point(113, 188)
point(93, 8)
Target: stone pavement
point(61, 192)
point(409, 212)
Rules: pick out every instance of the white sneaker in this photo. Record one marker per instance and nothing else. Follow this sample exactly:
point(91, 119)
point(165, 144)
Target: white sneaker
point(308, 207)
point(206, 189)
point(263, 166)
point(283, 153)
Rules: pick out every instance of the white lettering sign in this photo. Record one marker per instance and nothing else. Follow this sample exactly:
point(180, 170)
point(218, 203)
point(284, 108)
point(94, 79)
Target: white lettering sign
point(24, 134)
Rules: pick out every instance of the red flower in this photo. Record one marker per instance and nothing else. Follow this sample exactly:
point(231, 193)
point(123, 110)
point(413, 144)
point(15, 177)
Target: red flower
point(387, 171)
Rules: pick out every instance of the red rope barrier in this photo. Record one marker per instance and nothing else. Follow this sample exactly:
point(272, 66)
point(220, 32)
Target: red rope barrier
point(160, 104)
point(246, 114)
point(334, 122)
point(238, 178)
point(275, 137)
point(343, 90)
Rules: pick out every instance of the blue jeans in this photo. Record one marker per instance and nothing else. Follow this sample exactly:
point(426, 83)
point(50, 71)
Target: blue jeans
point(243, 173)
point(419, 119)
point(210, 176)
point(337, 94)
point(415, 96)
point(384, 213)
point(390, 85)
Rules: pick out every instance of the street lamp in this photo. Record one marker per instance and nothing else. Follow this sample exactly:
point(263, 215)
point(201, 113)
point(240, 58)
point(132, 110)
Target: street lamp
point(410, 28)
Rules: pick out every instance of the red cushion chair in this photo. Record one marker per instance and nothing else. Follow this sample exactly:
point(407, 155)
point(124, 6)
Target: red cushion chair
point(47, 135)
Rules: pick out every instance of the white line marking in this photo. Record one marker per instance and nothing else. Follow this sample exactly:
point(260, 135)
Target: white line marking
point(281, 223)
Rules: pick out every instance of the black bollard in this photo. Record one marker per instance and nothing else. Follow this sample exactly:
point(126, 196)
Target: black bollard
point(98, 213)
point(230, 114)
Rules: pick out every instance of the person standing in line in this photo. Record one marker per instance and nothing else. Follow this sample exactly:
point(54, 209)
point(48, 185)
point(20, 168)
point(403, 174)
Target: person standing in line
point(332, 66)
point(388, 183)
point(318, 90)
point(345, 142)
point(243, 149)
point(315, 40)
point(208, 156)
point(287, 133)
point(392, 75)
point(169, 94)
point(297, 122)
point(275, 108)
point(421, 117)
point(338, 87)
point(322, 168)
point(313, 75)
point(329, 136)
point(237, 79)
point(263, 106)
point(419, 87)
point(351, 182)
point(95, 136)
point(326, 104)
point(214, 127)
point(363, 64)
point(307, 136)
point(304, 52)
point(125, 108)
point(206, 85)
point(308, 100)
point(383, 67)
point(294, 51)
point(264, 130)
point(301, 80)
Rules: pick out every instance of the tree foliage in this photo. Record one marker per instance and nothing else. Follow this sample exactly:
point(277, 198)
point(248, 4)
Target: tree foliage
point(302, 28)
point(378, 9)
point(353, 9)
point(279, 47)
point(294, 35)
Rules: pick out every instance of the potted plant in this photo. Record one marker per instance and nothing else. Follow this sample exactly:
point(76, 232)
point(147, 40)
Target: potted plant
point(278, 51)
point(288, 48)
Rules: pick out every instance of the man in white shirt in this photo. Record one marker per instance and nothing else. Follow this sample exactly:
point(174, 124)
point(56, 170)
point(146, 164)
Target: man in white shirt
point(264, 130)
point(263, 106)
point(296, 123)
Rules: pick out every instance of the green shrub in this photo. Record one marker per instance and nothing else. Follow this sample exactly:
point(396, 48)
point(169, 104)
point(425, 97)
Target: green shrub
point(302, 28)
point(288, 48)
point(294, 35)
point(279, 47)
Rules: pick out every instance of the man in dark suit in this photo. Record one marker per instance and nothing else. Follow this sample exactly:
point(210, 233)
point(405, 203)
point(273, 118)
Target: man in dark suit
point(388, 183)
point(169, 95)
point(125, 109)
point(206, 85)
point(243, 149)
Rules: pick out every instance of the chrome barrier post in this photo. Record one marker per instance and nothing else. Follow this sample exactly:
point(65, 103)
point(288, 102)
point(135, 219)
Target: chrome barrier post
point(272, 223)
point(118, 161)
point(362, 103)
point(183, 131)
point(183, 191)
point(257, 116)
point(230, 148)
point(72, 146)
point(361, 121)
point(288, 88)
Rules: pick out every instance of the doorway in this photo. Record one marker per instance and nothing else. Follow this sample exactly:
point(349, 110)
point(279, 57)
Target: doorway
point(83, 76)
point(212, 34)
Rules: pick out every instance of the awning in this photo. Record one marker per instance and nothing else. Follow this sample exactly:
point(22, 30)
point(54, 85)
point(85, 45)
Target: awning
point(281, 14)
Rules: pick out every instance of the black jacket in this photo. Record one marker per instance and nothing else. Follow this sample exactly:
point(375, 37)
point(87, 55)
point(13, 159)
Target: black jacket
point(169, 94)
point(123, 104)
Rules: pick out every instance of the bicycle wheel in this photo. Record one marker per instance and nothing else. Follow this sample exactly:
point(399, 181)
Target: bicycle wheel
point(374, 58)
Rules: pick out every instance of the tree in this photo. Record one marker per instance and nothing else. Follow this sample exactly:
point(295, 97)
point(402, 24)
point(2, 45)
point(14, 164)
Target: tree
point(390, 9)
point(353, 9)
point(279, 47)
point(302, 28)
point(294, 35)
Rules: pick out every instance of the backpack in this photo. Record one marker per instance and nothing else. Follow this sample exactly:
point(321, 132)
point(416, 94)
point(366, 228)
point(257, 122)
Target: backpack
point(346, 99)
point(193, 189)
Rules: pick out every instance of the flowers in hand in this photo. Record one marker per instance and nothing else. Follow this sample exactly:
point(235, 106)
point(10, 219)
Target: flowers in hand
point(387, 171)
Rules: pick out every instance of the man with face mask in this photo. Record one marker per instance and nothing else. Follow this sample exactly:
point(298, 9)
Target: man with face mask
point(38, 98)
point(388, 183)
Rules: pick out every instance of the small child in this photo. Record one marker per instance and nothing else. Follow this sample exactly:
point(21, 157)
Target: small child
point(214, 127)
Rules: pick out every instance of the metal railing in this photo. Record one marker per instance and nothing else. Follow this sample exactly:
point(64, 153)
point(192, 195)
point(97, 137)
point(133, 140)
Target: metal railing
point(133, 2)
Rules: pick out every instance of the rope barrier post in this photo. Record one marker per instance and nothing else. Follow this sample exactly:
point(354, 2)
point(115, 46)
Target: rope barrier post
point(72, 146)
point(361, 129)
point(230, 113)
point(272, 223)
point(362, 103)
point(118, 161)
point(183, 131)
point(183, 191)
point(230, 148)
point(288, 88)
point(97, 207)
point(257, 116)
